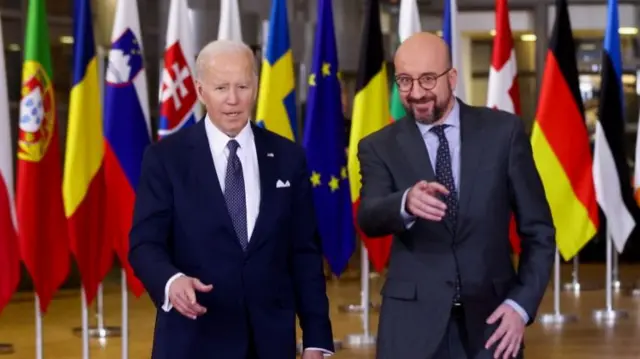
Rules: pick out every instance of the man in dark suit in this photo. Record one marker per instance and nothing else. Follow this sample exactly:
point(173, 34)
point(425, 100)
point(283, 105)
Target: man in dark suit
point(444, 181)
point(223, 235)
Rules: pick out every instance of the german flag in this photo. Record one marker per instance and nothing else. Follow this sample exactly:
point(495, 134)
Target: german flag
point(370, 113)
point(560, 143)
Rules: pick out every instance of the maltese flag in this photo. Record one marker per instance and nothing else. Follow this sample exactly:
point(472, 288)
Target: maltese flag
point(178, 98)
point(503, 92)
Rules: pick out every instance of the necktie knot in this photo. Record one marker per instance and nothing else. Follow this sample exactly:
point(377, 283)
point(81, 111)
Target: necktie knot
point(439, 130)
point(232, 145)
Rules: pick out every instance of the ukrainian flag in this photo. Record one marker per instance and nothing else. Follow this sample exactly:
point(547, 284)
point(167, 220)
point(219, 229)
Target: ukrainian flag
point(277, 100)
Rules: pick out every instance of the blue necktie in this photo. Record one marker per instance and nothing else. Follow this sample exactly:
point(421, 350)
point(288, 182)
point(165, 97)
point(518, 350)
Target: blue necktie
point(234, 194)
point(444, 176)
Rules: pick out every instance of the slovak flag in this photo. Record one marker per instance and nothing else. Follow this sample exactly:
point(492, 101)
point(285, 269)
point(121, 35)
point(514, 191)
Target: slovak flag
point(127, 128)
point(179, 106)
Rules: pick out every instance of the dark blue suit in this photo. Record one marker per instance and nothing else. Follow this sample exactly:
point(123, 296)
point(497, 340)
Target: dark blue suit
point(181, 224)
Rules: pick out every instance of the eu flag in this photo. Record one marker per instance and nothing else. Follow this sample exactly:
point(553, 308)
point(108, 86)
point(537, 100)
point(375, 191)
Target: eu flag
point(324, 142)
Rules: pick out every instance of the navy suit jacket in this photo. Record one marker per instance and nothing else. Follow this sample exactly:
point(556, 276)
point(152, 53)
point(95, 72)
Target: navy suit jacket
point(181, 224)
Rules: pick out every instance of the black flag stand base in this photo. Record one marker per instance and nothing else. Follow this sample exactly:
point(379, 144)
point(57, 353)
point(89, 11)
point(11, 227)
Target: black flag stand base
point(6, 349)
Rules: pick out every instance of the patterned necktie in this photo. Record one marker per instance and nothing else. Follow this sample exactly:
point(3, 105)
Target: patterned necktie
point(444, 176)
point(444, 173)
point(234, 194)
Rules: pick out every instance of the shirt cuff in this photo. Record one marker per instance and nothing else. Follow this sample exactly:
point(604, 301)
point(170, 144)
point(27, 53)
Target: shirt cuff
point(519, 309)
point(167, 304)
point(408, 219)
point(325, 352)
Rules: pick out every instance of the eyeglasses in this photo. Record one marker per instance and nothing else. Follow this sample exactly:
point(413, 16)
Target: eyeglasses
point(427, 81)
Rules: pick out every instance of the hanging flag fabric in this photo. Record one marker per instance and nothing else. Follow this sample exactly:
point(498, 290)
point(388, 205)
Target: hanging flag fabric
point(560, 143)
point(610, 170)
point(324, 143)
point(276, 96)
point(179, 106)
point(504, 92)
point(451, 36)
point(408, 24)
point(42, 226)
point(127, 128)
point(83, 185)
point(9, 253)
point(370, 113)
point(229, 27)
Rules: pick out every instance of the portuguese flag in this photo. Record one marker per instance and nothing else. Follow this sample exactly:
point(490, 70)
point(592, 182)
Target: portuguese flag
point(560, 143)
point(41, 222)
point(408, 24)
point(370, 113)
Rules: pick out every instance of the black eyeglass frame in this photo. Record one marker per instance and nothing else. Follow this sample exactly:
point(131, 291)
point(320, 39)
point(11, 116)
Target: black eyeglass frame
point(431, 79)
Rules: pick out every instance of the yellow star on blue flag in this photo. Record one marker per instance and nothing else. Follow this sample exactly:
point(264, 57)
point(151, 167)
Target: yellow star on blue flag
point(324, 143)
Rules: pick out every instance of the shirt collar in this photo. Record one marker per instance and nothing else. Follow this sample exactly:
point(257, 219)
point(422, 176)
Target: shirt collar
point(453, 119)
point(218, 140)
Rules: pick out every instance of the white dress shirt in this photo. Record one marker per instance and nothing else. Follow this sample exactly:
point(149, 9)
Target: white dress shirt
point(249, 159)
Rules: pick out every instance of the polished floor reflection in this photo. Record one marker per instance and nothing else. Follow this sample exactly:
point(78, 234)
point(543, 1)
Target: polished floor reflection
point(584, 339)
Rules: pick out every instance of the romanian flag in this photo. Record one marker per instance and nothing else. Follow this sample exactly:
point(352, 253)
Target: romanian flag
point(42, 226)
point(408, 24)
point(370, 113)
point(277, 97)
point(561, 143)
point(83, 185)
point(610, 170)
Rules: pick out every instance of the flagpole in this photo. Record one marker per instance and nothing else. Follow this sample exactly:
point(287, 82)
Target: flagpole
point(125, 315)
point(364, 339)
point(615, 281)
point(574, 285)
point(38, 328)
point(85, 325)
point(557, 317)
point(364, 278)
point(609, 314)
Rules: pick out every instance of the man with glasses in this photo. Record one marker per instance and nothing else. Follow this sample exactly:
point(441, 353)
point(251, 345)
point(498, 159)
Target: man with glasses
point(444, 181)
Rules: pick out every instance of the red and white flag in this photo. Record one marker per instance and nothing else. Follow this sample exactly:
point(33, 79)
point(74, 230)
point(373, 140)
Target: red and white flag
point(503, 92)
point(9, 253)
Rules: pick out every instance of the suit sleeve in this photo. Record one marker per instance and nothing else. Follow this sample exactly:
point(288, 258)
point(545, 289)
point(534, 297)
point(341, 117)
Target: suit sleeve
point(311, 297)
point(534, 222)
point(380, 210)
point(150, 236)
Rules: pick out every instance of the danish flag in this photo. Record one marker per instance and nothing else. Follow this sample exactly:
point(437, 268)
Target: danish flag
point(178, 98)
point(503, 92)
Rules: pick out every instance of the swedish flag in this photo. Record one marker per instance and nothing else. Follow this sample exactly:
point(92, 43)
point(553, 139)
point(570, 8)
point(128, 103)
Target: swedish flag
point(324, 143)
point(277, 100)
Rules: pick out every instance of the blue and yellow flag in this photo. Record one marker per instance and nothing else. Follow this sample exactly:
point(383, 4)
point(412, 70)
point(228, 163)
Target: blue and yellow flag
point(325, 146)
point(277, 99)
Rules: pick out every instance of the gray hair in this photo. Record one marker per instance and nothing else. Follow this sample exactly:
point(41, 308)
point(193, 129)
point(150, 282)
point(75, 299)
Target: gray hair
point(218, 47)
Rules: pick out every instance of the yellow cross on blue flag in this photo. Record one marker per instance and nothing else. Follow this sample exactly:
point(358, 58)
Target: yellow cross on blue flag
point(276, 96)
point(325, 146)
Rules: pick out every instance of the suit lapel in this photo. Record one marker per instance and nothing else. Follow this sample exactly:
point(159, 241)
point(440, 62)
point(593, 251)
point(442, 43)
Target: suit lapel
point(472, 143)
point(414, 150)
point(268, 177)
point(207, 182)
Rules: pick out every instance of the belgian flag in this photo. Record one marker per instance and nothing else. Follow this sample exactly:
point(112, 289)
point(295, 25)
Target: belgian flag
point(370, 113)
point(610, 170)
point(560, 143)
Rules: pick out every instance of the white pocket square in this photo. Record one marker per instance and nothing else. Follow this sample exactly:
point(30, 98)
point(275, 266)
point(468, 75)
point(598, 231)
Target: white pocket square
point(281, 184)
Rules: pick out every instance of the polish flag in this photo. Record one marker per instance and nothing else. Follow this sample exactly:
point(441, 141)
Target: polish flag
point(503, 92)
